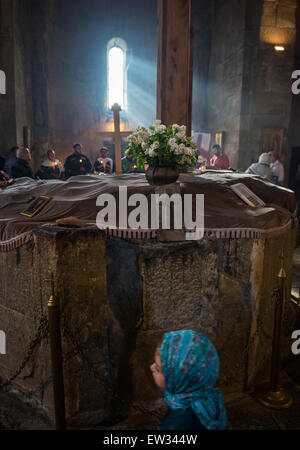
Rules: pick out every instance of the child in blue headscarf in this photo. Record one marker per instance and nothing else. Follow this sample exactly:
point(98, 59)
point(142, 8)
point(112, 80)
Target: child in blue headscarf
point(186, 367)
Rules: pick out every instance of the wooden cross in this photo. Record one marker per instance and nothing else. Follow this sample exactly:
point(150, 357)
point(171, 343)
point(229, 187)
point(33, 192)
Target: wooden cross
point(2, 82)
point(116, 134)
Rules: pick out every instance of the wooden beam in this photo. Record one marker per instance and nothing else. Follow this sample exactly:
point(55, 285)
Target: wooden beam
point(175, 62)
point(116, 134)
point(118, 156)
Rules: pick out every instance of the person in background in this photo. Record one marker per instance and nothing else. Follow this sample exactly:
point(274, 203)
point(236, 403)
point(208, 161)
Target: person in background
point(262, 167)
point(219, 160)
point(77, 163)
point(51, 168)
point(200, 163)
point(186, 368)
point(277, 168)
point(3, 175)
point(21, 167)
point(104, 164)
point(11, 160)
point(128, 164)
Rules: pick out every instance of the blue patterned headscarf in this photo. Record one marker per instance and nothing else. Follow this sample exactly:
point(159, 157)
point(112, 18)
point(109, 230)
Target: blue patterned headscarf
point(190, 364)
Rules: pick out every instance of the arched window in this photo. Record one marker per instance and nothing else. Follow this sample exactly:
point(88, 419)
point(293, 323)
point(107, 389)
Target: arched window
point(116, 73)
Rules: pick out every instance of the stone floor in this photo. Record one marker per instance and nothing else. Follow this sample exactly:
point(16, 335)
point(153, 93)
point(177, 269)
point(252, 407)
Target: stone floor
point(243, 412)
point(16, 414)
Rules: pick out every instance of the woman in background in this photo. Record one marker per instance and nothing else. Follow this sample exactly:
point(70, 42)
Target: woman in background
point(262, 167)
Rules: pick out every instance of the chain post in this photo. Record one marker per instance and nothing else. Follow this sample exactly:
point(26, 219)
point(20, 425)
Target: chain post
point(270, 394)
point(56, 359)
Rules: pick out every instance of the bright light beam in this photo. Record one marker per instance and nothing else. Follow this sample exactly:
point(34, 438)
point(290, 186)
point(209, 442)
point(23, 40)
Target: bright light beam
point(116, 77)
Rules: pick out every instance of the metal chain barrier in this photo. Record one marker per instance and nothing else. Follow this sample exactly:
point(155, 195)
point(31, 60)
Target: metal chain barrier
point(42, 332)
point(232, 374)
point(260, 328)
point(156, 417)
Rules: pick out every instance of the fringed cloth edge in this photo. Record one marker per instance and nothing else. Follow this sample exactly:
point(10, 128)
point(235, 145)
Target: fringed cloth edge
point(16, 242)
point(218, 233)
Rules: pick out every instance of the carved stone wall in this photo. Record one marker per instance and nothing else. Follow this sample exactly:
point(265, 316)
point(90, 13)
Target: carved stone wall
point(119, 297)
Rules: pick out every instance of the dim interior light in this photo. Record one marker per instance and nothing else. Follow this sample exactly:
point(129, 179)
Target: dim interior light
point(279, 48)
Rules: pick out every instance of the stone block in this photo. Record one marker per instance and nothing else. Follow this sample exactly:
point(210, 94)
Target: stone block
point(179, 281)
point(217, 287)
point(76, 261)
point(286, 17)
point(269, 14)
point(20, 333)
point(171, 235)
point(142, 357)
point(278, 36)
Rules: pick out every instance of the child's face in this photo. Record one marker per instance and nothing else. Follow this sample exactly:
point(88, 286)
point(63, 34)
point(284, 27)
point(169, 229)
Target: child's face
point(157, 373)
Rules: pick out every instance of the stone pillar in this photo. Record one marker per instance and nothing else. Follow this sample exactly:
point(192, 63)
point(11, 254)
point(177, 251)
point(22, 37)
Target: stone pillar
point(42, 22)
point(77, 259)
point(249, 82)
point(266, 91)
point(202, 38)
point(7, 104)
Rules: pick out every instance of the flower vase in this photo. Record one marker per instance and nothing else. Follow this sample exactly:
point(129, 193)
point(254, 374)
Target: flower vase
point(160, 175)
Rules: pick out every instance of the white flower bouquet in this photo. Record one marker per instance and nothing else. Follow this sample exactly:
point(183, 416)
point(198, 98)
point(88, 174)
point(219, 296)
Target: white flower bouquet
point(162, 146)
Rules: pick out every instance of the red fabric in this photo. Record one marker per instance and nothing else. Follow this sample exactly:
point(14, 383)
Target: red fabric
point(221, 162)
point(203, 153)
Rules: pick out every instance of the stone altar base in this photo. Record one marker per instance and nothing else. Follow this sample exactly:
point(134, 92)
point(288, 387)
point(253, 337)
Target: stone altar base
point(120, 296)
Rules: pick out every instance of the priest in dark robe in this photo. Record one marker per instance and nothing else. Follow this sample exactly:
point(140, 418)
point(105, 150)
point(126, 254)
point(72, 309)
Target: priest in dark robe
point(104, 164)
point(129, 165)
point(21, 167)
point(11, 160)
point(3, 175)
point(77, 163)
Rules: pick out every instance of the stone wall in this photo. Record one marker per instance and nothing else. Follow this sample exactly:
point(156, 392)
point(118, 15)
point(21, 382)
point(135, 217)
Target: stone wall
point(80, 286)
point(249, 85)
point(294, 135)
point(23, 66)
point(7, 101)
point(23, 56)
point(268, 97)
point(55, 56)
point(202, 39)
point(119, 297)
point(226, 73)
point(77, 75)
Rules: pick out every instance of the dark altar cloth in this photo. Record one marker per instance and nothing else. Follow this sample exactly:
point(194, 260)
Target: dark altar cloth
point(226, 215)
